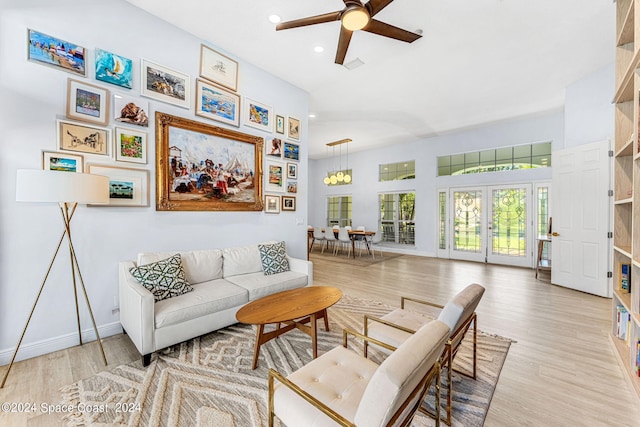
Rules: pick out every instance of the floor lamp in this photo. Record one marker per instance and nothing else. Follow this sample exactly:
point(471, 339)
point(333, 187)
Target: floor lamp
point(67, 189)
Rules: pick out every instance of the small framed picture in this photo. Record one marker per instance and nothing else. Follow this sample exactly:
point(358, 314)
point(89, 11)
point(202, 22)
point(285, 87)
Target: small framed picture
point(292, 186)
point(294, 128)
point(292, 170)
point(215, 103)
point(288, 203)
point(258, 115)
point(274, 176)
point(218, 68)
point(83, 138)
point(114, 69)
point(279, 124)
point(130, 110)
point(87, 103)
point(127, 186)
point(164, 84)
point(56, 161)
point(131, 146)
point(57, 53)
point(291, 151)
point(271, 203)
point(273, 148)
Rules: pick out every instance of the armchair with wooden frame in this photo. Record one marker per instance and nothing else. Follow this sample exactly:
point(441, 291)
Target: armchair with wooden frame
point(458, 313)
point(344, 388)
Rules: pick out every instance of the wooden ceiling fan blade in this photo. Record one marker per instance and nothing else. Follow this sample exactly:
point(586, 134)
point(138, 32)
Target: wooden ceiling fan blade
point(310, 20)
point(376, 27)
point(375, 6)
point(343, 44)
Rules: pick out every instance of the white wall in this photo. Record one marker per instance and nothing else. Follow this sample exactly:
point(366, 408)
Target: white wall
point(589, 110)
point(33, 96)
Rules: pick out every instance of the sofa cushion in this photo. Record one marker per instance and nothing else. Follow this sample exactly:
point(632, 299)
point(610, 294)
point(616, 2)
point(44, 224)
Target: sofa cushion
point(241, 260)
point(199, 265)
point(164, 278)
point(273, 257)
point(258, 285)
point(207, 297)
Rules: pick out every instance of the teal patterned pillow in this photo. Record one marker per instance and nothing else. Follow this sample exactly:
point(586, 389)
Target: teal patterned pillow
point(274, 258)
point(164, 279)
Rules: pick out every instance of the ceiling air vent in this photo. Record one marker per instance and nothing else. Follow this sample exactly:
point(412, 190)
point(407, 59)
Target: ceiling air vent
point(353, 64)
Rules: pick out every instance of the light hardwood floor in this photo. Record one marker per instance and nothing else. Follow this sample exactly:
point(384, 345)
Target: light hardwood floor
point(561, 371)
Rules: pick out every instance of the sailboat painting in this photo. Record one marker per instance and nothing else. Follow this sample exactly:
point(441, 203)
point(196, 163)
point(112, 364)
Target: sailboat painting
point(114, 69)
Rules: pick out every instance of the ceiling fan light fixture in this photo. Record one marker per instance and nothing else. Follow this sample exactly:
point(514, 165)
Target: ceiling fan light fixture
point(355, 18)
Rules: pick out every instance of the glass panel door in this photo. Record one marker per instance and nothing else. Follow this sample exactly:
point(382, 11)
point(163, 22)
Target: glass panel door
point(510, 241)
point(469, 235)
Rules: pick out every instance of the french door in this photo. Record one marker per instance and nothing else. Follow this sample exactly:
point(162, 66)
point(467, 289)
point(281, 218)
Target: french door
point(488, 224)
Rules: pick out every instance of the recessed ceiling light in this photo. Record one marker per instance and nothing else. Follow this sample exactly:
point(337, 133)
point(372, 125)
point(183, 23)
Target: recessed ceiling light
point(274, 19)
point(312, 115)
point(318, 49)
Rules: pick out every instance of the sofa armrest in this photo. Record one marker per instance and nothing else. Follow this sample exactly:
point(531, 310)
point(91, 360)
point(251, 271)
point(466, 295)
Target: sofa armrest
point(302, 266)
point(136, 310)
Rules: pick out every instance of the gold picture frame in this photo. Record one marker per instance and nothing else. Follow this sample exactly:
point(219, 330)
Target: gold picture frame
point(200, 167)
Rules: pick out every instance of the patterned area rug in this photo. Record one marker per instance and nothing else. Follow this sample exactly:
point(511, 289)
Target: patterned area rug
point(208, 381)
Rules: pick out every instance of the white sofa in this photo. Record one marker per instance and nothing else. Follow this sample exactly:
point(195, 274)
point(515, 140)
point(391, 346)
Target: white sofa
point(223, 280)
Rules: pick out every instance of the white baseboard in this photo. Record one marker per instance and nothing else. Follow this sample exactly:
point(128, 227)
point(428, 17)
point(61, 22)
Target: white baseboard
point(38, 348)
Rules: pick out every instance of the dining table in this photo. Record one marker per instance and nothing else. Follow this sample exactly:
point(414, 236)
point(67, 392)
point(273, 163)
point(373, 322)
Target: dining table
point(353, 235)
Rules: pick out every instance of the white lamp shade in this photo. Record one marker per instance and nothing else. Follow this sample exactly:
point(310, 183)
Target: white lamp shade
point(34, 185)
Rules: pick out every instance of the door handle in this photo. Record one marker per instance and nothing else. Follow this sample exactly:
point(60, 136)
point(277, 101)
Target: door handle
point(554, 234)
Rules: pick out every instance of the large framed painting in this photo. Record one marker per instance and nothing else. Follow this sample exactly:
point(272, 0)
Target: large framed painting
point(200, 167)
point(258, 115)
point(164, 84)
point(87, 102)
point(83, 138)
point(114, 69)
point(127, 186)
point(57, 53)
point(218, 68)
point(216, 103)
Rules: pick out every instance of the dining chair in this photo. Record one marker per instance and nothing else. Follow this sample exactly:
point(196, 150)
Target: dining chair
point(375, 243)
point(344, 239)
point(360, 239)
point(317, 235)
point(330, 239)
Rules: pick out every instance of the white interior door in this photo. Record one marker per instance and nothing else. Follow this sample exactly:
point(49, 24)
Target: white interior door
point(581, 220)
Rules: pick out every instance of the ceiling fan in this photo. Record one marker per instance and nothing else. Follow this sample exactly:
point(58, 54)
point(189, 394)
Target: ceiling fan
point(355, 16)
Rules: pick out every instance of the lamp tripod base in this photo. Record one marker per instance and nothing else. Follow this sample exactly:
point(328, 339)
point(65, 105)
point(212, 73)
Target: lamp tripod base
point(66, 210)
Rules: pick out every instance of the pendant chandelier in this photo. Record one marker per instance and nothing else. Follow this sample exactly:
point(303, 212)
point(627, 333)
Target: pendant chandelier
point(334, 177)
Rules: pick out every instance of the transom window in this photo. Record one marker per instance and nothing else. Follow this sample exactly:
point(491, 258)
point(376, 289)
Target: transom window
point(397, 171)
point(499, 159)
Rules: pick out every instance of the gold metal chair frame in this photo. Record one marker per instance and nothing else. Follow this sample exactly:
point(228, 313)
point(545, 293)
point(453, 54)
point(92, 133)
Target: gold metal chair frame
point(420, 390)
point(450, 349)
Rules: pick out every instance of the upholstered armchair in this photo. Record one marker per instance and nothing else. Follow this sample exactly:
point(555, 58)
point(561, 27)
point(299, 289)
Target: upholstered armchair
point(344, 388)
point(459, 313)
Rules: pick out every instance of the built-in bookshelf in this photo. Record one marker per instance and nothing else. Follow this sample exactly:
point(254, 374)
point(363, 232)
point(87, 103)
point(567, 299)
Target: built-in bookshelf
point(625, 313)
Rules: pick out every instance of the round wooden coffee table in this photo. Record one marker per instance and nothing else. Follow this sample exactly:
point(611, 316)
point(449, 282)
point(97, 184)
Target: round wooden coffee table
point(295, 308)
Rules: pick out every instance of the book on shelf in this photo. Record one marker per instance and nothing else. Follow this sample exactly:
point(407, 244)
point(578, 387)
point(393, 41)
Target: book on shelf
point(625, 277)
point(638, 358)
point(623, 324)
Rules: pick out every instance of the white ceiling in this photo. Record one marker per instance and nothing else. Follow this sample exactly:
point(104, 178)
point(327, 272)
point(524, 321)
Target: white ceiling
point(478, 61)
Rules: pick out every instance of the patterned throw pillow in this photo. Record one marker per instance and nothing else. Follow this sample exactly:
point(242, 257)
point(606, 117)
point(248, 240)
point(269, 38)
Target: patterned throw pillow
point(274, 258)
point(164, 279)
